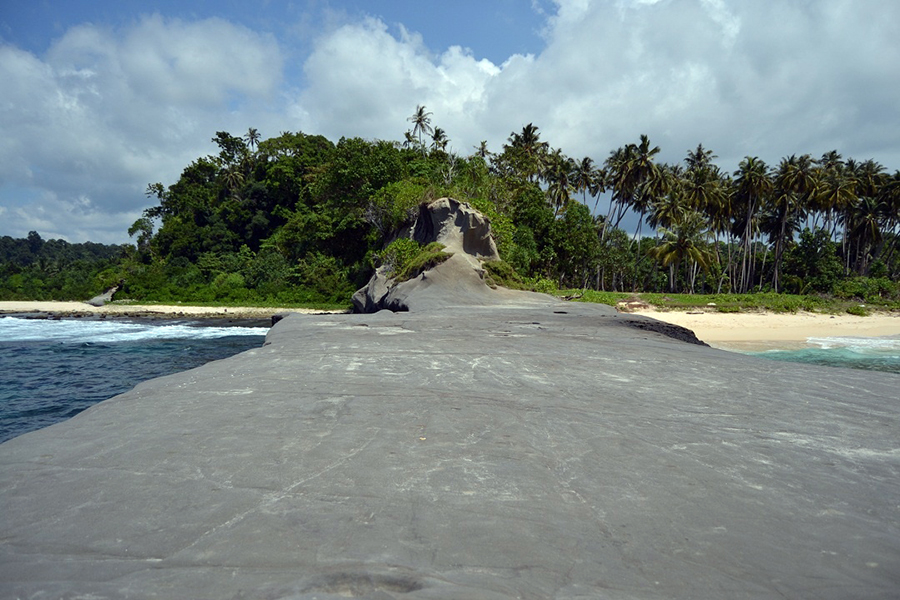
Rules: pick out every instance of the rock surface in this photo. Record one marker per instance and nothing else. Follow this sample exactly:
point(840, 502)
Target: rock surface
point(484, 445)
point(104, 297)
point(525, 449)
point(463, 231)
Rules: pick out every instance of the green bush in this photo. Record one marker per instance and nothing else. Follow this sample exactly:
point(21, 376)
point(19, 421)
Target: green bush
point(859, 311)
point(501, 273)
point(541, 285)
point(428, 257)
point(397, 255)
point(873, 290)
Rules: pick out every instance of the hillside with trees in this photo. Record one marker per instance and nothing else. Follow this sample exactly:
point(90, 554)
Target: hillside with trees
point(299, 219)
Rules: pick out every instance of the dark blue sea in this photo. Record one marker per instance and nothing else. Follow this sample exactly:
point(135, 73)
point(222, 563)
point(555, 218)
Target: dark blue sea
point(51, 370)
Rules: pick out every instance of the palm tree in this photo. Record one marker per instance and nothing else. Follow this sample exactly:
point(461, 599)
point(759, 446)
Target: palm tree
point(620, 178)
point(252, 137)
point(835, 189)
point(584, 178)
point(421, 121)
point(635, 180)
point(439, 139)
point(795, 183)
point(889, 195)
point(865, 218)
point(558, 174)
point(669, 209)
point(752, 187)
point(699, 159)
point(684, 243)
point(527, 152)
point(649, 181)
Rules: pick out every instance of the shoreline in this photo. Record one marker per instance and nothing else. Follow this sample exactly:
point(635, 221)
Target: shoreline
point(71, 309)
point(759, 331)
point(748, 331)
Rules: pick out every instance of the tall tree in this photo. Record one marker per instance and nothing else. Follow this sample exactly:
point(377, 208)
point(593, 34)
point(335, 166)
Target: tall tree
point(684, 243)
point(252, 138)
point(421, 120)
point(795, 183)
point(753, 185)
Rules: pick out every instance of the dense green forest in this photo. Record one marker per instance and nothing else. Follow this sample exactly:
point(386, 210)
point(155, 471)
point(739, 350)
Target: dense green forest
point(38, 269)
point(299, 219)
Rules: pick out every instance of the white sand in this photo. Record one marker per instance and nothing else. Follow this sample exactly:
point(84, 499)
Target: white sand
point(751, 331)
point(68, 308)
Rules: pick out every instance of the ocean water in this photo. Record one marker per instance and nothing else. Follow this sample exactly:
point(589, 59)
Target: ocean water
point(868, 353)
point(51, 370)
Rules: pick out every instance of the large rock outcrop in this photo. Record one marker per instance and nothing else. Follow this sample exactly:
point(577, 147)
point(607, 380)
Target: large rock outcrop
point(463, 231)
point(525, 448)
point(476, 453)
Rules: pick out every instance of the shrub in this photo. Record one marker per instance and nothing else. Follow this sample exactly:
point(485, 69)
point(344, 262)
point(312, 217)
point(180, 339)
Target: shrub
point(868, 289)
point(541, 284)
point(397, 255)
point(428, 257)
point(501, 273)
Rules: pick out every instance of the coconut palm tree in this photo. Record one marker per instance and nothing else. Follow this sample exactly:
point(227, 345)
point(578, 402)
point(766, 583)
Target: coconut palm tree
point(421, 121)
point(439, 139)
point(558, 175)
point(684, 243)
point(889, 194)
point(621, 180)
point(752, 186)
point(252, 138)
point(527, 153)
point(648, 178)
point(584, 178)
point(795, 183)
point(837, 194)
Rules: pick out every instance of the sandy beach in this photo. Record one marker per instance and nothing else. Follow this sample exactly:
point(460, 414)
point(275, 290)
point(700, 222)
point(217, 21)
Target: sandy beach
point(66, 309)
point(764, 330)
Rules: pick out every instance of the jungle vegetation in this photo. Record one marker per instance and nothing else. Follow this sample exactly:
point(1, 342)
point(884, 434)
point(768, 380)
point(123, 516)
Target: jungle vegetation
point(299, 219)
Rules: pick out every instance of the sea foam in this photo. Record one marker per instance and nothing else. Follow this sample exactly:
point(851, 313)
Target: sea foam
point(72, 331)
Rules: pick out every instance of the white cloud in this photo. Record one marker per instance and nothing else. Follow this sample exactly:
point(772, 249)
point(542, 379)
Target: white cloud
point(103, 113)
point(767, 78)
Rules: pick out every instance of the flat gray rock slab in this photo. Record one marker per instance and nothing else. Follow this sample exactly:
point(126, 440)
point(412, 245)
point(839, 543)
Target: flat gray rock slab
point(521, 451)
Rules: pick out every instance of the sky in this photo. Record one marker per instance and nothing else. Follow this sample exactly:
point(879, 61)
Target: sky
point(100, 98)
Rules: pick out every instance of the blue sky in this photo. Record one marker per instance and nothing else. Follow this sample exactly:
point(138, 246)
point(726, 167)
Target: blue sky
point(101, 98)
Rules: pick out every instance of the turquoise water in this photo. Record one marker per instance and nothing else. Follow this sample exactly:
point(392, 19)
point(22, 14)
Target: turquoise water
point(52, 370)
point(871, 354)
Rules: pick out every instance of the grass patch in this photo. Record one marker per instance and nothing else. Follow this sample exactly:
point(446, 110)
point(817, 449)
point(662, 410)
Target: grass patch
point(428, 257)
point(734, 303)
point(405, 258)
point(609, 298)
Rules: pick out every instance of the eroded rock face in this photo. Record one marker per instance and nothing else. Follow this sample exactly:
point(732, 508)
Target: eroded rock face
point(463, 231)
point(456, 225)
